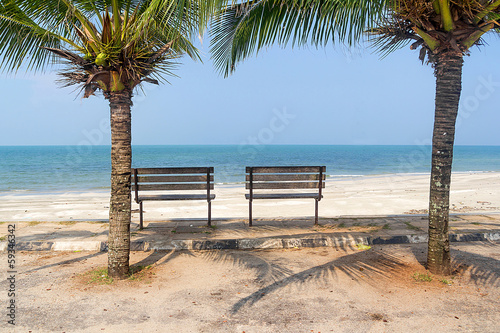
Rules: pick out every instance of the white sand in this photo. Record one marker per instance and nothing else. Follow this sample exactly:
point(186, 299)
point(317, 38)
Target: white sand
point(294, 290)
point(344, 196)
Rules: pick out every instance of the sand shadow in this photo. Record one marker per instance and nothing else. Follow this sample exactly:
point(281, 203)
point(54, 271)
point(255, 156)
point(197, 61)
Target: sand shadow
point(66, 262)
point(357, 266)
point(158, 258)
point(266, 271)
point(480, 269)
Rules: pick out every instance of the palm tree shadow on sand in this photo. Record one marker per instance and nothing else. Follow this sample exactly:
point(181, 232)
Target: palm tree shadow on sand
point(480, 269)
point(266, 270)
point(474, 261)
point(66, 262)
point(273, 277)
point(158, 258)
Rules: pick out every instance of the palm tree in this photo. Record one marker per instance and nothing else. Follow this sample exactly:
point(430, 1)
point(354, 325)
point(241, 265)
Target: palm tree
point(109, 46)
point(443, 30)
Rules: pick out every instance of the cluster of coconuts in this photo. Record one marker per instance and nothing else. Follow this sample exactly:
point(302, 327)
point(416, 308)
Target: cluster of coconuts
point(100, 60)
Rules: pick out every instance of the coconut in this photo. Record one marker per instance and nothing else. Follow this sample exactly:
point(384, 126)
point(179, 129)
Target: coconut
point(100, 60)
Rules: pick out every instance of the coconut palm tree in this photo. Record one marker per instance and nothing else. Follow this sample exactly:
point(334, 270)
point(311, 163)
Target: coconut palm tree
point(443, 30)
point(111, 47)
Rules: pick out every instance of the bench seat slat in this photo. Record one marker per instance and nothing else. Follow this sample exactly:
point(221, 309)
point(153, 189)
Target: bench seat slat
point(284, 177)
point(283, 186)
point(153, 171)
point(292, 169)
point(173, 179)
point(284, 196)
point(174, 187)
point(175, 197)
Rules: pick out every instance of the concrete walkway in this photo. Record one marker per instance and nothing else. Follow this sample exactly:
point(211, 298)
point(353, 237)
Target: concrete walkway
point(351, 231)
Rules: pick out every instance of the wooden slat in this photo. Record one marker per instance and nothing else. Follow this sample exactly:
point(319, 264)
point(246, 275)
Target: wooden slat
point(156, 171)
point(291, 169)
point(180, 187)
point(175, 197)
point(285, 177)
point(173, 179)
point(283, 186)
point(284, 196)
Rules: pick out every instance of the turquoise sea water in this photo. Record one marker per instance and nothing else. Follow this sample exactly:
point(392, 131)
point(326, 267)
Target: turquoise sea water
point(25, 169)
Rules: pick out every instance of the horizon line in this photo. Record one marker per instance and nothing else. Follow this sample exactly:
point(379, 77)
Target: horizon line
point(262, 145)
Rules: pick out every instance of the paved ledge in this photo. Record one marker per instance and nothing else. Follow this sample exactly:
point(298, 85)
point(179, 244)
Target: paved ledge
point(245, 244)
point(339, 232)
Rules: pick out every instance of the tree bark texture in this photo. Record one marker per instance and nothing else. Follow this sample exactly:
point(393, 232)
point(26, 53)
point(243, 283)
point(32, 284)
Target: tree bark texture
point(120, 203)
point(448, 72)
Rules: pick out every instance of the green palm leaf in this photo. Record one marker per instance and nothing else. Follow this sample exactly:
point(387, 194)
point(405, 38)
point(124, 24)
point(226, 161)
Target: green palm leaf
point(90, 26)
point(243, 29)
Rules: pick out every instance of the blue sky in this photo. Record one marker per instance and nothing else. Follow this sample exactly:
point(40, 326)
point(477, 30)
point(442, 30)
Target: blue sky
point(332, 96)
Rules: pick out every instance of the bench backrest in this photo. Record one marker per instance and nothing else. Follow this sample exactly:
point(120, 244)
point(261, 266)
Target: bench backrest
point(295, 177)
point(177, 179)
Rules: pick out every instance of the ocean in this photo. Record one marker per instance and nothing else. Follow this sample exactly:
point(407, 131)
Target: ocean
point(48, 169)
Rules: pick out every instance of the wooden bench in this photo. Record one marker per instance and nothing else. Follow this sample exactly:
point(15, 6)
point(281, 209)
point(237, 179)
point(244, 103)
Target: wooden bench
point(173, 179)
point(285, 178)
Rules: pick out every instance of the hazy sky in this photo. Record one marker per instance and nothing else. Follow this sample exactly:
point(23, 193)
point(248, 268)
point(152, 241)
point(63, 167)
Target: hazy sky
point(283, 96)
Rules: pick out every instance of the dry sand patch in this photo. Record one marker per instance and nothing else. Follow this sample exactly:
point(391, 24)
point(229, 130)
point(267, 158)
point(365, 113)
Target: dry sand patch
point(295, 290)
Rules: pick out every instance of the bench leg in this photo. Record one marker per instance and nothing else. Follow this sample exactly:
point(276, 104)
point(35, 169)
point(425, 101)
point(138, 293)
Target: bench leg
point(316, 213)
point(140, 216)
point(250, 213)
point(209, 213)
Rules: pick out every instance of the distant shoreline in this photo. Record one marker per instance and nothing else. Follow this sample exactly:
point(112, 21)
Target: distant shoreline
point(88, 168)
point(391, 194)
point(270, 145)
point(329, 179)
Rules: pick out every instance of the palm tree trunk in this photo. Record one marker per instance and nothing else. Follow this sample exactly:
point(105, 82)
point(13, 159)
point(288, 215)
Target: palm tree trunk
point(120, 203)
point(448, 72)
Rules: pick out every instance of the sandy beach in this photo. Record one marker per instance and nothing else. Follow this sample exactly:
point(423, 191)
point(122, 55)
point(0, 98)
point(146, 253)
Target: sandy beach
point(288, 291)
point(343, 196)
point(339, 288)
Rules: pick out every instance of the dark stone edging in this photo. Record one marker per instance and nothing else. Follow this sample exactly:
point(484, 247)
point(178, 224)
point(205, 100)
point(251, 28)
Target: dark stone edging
point(248, 244)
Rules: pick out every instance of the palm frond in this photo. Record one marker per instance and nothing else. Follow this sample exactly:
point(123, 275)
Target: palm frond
point(420, 22)
point(243, 29)
point(21, 35)
point(101, 41)
point(392, 35)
